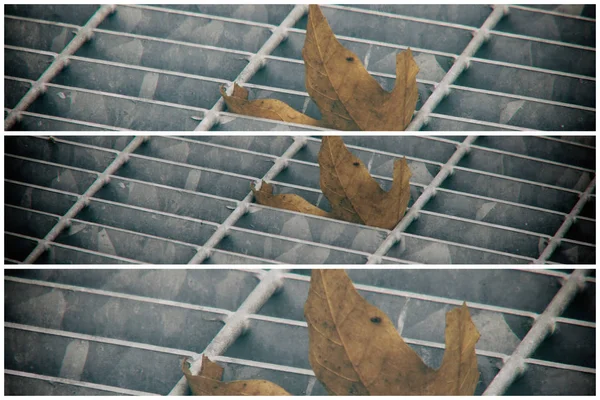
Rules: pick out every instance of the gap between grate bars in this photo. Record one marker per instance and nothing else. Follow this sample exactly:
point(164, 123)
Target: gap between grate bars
point(61, 61)
point(237, 323)
point(279, 164)
point(570, 219)
point(84, 199)
point(396, 234)
point(442, 89)
point(463, 148)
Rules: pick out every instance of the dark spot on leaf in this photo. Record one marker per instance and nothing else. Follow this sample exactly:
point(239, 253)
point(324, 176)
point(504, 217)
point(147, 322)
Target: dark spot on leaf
point(349, 58)
point(356, 163)
point(375, 320)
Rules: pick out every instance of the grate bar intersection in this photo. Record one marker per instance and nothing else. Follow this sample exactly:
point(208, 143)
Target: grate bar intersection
point(395, 235)
point(543, 326)
point(566, 225)
point(237, 323)
point(462, 62)
point(83, 200)
point(83, 35)
point(279, 164)
point(256, 62)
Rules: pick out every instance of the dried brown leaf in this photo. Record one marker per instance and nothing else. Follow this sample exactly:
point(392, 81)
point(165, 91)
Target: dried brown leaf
point(264, 108)
point(354, 347)
point(348, 97)
point(291, 202)
point(208, 383)
point(353, 193)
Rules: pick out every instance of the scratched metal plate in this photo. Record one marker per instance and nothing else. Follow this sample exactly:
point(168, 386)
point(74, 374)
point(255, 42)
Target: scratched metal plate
point(112, 331)
point(160, 67)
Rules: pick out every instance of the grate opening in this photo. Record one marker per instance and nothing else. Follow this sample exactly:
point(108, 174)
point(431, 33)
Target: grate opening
point(187, 199)
point(115, 331)
point(160, 67)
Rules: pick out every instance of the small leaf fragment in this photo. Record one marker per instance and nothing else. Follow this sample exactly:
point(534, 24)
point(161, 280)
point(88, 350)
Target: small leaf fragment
point(287, 201)
point(348, 97)
point(264, 108)
point(353, 193)
point(354, 347)
point(208, 383)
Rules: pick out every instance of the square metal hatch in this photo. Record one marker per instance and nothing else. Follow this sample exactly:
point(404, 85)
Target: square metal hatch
point(86, 67)
point(177, 200)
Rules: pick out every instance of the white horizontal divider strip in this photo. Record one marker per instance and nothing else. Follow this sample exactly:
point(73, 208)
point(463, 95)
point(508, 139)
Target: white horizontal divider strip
point(544, 325)
point(443, 88)
point(83, 35)
point(236, 324)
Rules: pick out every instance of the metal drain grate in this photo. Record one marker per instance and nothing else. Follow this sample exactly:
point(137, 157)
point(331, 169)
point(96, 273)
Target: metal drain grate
point(80, 67)
point(112, 332)
point(175, 200)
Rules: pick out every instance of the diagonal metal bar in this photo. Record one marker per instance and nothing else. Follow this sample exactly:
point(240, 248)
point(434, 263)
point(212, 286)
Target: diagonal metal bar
point(543, 326)
point(395, 235)
point(242, 207)
point(61, 61)
point(442, 89)
point(257, 62)
point(237, 323)
point(103, 179)
point(567, 223)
